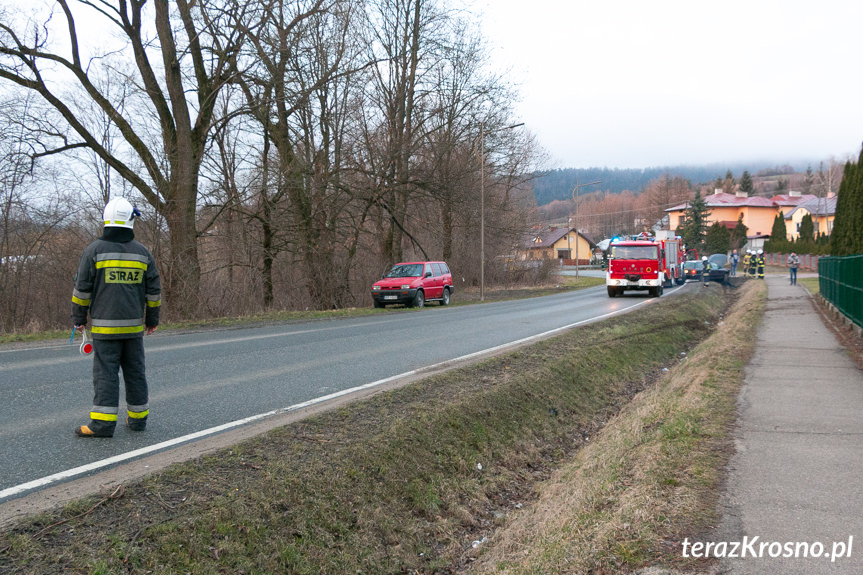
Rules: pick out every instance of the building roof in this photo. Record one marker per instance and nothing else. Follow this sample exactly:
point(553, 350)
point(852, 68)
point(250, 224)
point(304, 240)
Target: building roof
point(792, 199)
point(723, 200)
point(546, 237)
point(816, 207)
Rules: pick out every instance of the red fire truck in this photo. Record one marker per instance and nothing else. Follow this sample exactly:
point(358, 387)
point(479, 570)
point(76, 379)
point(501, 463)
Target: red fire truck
point(673, 255)
point(644, 262)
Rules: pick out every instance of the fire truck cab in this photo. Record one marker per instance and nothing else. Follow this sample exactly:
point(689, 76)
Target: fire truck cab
point(635, 264)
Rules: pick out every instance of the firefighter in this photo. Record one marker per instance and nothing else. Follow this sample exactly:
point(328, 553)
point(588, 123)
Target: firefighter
point(705, 271)
point(760, 262)
point(746, 261)
point(753, 264)
point(118, 286)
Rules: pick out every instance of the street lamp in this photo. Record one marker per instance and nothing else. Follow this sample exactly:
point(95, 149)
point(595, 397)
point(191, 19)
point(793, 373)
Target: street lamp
point(575, 203)
point(483, 132)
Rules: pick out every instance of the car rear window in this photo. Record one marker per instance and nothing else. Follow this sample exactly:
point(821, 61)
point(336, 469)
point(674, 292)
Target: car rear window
point(437, 269)
point(444, 268)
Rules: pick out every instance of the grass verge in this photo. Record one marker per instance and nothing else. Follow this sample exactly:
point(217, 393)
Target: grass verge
point(652, 475)
point(466, 297)
point(812, 285)
point(405, 481)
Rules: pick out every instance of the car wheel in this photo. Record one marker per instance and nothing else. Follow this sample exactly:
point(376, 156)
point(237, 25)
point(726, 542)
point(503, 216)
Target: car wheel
point(419, 299)
point(444, 300)
point(612, 292)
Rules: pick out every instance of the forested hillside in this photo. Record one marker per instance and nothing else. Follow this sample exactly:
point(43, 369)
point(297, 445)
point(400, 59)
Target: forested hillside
point(558, 184)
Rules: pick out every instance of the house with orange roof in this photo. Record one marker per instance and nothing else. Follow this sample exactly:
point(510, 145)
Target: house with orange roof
point(757, 213)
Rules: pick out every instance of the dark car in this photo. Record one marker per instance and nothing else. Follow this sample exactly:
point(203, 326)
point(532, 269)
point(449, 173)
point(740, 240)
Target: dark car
point(692, 270)
point(718, 271)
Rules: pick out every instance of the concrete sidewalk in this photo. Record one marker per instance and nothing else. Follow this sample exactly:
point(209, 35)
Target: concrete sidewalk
point(797, 476)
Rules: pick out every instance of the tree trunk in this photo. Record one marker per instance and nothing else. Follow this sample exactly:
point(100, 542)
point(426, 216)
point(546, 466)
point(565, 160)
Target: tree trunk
point(183, 285)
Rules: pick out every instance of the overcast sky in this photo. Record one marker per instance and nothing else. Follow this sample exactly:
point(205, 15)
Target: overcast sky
point(645, 83)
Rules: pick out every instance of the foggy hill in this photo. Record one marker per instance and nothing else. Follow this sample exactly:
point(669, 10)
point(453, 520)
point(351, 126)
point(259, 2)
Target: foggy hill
point(558, 184)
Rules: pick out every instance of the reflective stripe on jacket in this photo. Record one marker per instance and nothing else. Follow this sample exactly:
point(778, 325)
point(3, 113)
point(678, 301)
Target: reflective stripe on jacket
point(118, 285)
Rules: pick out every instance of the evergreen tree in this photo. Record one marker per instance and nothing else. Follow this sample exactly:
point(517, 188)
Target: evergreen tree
point(694, 228)
point(856, 206)
point(781, 185)
point(848, 226)
point(746, 184)
point(806, 238)
point(838, 238)
point(738, 234)
point(729, 184)
point(718, 239)
point(807, 229)
point(778, 241)
point(808, 180)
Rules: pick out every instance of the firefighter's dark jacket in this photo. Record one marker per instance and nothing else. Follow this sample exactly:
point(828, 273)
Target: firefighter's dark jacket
point(118, 284)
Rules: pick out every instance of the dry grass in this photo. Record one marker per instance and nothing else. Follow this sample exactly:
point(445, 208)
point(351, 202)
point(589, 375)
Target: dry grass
point(651, 475)
point(404, 481)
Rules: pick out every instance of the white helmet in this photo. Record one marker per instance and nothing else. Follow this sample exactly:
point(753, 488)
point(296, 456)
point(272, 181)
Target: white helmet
point(119, 213)
point(760, 252)
point(704, 258)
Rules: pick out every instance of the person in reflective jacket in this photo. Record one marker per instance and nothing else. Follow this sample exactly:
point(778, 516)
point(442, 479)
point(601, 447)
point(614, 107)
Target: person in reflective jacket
point(118, 286)
point(760, 263)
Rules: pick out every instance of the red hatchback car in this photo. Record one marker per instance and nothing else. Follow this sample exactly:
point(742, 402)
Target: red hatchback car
point(413, 284)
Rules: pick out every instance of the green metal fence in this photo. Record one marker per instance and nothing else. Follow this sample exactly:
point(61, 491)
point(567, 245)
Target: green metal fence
point(840, 280)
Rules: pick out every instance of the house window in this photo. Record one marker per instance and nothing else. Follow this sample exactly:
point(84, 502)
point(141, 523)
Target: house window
point(565, 254)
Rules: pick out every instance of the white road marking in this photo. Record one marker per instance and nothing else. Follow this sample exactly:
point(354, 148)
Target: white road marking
point(74, 472)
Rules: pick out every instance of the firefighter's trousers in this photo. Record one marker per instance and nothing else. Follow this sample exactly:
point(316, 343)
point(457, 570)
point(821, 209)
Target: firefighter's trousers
point(109, 356)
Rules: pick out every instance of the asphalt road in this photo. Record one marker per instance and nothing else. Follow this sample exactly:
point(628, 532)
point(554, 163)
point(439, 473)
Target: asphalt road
point(204, 382)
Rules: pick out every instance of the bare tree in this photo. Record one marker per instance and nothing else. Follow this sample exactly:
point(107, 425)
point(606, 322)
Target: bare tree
point(828, 178)
point(299, 92)
point(662, 193)
point(38, 247)
point(170, 149)
point(461, 94)
point(402, 42)
point(232, 174)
